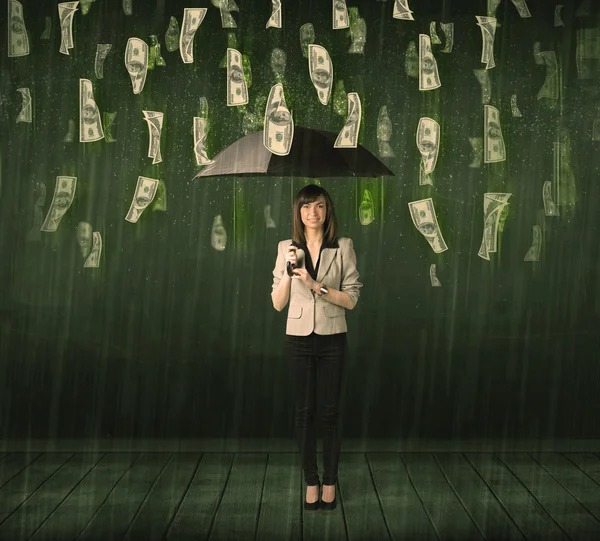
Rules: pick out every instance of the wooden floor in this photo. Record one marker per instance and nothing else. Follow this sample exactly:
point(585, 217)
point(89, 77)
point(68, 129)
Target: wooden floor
point(258, 495)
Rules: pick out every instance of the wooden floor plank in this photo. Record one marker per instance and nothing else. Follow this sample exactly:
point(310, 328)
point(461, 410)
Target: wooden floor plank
point(402, 508)
point(483, 507)
point(156, 513)
point(118, 511)
point(14, 463)
point(572, 517)
point(29, 517)
point(197, 511)
point(28, 480)
point(237, 514)
point(281, 504)
point(445, 510)
point(79, 507)
point(531, 518)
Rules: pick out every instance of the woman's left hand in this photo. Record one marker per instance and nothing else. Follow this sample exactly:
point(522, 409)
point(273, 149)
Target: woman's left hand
point(302, 275)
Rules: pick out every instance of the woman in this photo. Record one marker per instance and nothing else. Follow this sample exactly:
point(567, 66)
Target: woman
point(324, 283)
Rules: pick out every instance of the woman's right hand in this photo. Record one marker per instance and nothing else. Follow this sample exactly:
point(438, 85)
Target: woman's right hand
point(290, 257)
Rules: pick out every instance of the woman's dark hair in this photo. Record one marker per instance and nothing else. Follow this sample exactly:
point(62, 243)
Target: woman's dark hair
point(308, 194)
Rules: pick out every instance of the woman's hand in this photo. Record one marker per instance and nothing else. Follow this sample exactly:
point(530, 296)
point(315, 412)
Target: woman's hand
point(302, 275)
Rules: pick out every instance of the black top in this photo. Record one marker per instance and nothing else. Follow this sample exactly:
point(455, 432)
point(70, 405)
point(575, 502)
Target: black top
point(309, 263)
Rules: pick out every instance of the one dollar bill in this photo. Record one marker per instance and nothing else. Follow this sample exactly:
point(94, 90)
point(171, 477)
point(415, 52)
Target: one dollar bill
point(278, 129)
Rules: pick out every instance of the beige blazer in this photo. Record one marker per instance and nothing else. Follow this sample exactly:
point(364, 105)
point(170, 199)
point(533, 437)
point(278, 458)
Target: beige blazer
point(308, 312)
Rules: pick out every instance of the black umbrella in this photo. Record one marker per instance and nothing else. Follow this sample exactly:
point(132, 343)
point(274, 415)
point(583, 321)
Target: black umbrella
point(312, 155)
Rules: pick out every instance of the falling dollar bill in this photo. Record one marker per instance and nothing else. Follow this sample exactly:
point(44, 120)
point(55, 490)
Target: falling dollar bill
point(514, 108)
point(192, 19)
point(278, 129)
point(145, 190)
point(487, 26)
point(429, 78)
point(402, 11)
point(435, 39)
point(366, 211)
point(172, 35)
point(522, 8)
point(493, 149)
point(86, 5)
point(155, 124)
point(384, 133)
point(18, 40)
point(428, 143)
point(348, 136)
point(64, 193)
point(226, 7)
point(550, 207)
point(493, 205)
point(425, 220)
point(340, 14)
point(411, 60)
point(128, 7)
point(108, 120)
point(237, 91)
point(26, 114)
point(93, 260)
point(558, 15)
point(90, 123)
point(307, 36)
point(433, 276)
point(48, 29)
point(275, 18)
point(492, 6)
point(136, 62)
point(218, 236)
point(551, 87)
point(533, 254)
point(102, 50)
point(320, 68)
point(200, 132)
point(66, 11)
point(357, 32)
point(483, 78)
point(476, 151)
point(448, 29)
point(154, 56)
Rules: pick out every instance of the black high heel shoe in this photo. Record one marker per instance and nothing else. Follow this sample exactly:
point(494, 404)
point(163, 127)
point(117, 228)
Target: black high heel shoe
point(315, 505)
point(328, 506)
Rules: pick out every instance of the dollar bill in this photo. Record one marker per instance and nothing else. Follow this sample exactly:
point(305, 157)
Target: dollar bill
point(358, 32)
point(102, 50)
point(93, 260)
point(366, 211)
point(26, 114)
point(136, 62)
point(203, 107)
point(66, 11)
point(172, 35)
point(448, 29)
point(514, 108)
point(533, 254)
point(155, 124)
point(537, 49)
point(278, 128)
point(558, 15)
point(425, 179)
point(86, 5)
point(492, 6)
point(428, 143)
point(476, 151)
point(384, 134)
point(200, 132)
point(487, 25)
point(425, 220)
point(340, 14)
point(493, 148)
point(145, 190)
point(493, 205)
point(160, 200)
point(411, 60)
point(218, 236)
point(433, 276)
point(522, 8)
point(402, 11)
point(348, 136)
point(550, 207)
point(275, 18)
point(307, 36)
point(435, 39)
point(226, 7)
point(237, 91)
point(108, 119)
point(483, 78)
point(551, 87)
point(154, 52)
point(128, 7)
point(48, 29)
point(429, 78)
point(192, 19)
point(64, 193)
point(90, 123)
point(18, 40)
point(320, 68)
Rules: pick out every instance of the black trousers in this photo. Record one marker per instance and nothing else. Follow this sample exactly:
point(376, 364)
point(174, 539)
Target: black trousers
point(316, 366)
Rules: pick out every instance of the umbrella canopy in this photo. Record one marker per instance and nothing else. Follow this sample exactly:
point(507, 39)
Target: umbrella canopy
point(312, 155)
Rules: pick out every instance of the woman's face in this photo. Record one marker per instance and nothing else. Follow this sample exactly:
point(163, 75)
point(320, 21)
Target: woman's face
point(314, 214)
